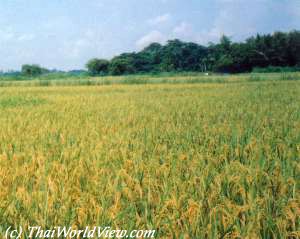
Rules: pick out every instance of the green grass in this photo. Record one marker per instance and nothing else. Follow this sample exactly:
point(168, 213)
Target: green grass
point(17, 101)
point(170, 78)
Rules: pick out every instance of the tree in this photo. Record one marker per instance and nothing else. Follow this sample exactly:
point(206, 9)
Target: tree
point(172, 56)
point(121, 65)
point(279, 56)
point(143, 62)
point(222, 55)
point(33, 70)
point(225, 44)
point(224, 64)
point(277, 49)
point(294, 48)
point(153, 48)
point(97, 66)
point(151, 57)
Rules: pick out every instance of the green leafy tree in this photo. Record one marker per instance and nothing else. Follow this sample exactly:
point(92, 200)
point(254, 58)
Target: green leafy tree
point(294, 48)
point(224, 64)
point(225, 44)
point(278, 49)
point(153, 53)
point(172, 56)
point(33, 70)
point(121, 65)
point(97, 66)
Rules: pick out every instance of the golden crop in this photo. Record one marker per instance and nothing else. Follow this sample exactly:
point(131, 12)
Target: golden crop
point(189, 160)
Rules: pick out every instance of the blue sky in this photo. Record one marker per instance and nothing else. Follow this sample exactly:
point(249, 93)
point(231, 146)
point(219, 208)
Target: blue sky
point(64, 34)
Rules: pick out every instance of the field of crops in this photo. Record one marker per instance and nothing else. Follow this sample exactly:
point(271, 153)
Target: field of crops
point(209, 160)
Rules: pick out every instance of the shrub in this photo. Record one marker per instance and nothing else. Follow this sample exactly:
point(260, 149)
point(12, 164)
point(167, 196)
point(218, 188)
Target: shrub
point(97, 67)
point(33, 70)
point(274, 69)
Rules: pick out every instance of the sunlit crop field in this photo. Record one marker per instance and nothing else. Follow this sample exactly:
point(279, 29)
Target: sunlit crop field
point(188, 160)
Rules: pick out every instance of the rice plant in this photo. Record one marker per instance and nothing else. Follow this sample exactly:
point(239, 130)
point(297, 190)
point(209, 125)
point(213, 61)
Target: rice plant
point(207, 160)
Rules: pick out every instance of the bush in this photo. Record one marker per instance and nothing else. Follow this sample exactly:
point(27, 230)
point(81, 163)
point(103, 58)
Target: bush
point(33, 70)
point(119, 66)
point(275, 69)
point(97, 66)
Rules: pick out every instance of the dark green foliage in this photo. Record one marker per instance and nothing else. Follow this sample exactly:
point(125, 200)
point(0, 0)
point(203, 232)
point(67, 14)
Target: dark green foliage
point(224, 64)
point(122, 65)
point(294, 48)
point(180, 56)
point(33, 70)
point(276, 69)
point(277, 52)
point(278, 49)
point(97, 66)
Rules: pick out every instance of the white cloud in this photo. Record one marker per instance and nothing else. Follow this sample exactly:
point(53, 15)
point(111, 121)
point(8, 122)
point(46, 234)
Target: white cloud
point(234, 20)
point(183, 29)
point(185, 32)
point(79, 48)
point(160, 19)
point(154, 36)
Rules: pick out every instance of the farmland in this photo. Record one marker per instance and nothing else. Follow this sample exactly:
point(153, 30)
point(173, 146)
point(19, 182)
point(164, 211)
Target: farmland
point(212, 159)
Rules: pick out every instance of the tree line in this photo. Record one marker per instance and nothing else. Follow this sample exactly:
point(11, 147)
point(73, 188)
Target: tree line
point(268, 51)
point(278, 49)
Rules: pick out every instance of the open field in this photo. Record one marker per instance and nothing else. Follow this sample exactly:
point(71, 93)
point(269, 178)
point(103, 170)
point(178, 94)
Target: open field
point(209, 160)
point(162, 78)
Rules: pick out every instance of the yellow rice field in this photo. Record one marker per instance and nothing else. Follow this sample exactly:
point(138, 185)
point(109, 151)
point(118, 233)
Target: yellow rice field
point(188, 160)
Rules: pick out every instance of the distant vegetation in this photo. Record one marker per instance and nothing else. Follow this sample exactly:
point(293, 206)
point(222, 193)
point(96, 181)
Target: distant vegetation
point(66, 79)
point(34, 72)
point(277, 52)
point(271, 51)
point(97, 66)
point(274, 69)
